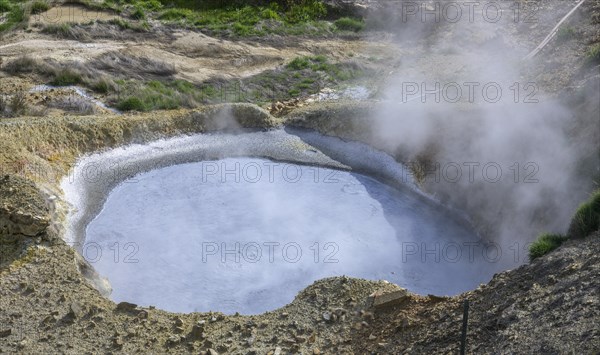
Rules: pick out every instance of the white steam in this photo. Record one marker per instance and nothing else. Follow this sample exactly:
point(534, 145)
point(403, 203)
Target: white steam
point(460, 99)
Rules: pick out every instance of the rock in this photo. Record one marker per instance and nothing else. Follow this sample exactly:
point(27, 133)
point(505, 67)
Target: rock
point(49, 319)
point(367, 315)
point(69, 318)
point(316, 351)
point(197, 333)
point(436, 299)
point(77, 309)
point(212, 352)
point(127, 307)
point(173, 340)
point(390, 299)
point(277, 351)
point(178, 322)
point(327, 316)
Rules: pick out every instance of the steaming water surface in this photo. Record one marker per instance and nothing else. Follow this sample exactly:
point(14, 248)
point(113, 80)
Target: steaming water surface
point(246, 234)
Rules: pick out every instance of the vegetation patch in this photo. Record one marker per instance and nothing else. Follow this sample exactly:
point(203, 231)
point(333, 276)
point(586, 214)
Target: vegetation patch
point(242, 18)
point(133, 95)
point(587, 218)
point(74, 104)
point(349, 24)
point(248, 18)
point(66, 77)
point(67, 30)
point(565, 33)
point(142, 26)
point(131, 104)
point(37, 7)
point(593, 54)
point(13, 12)
point(13, 106)
point(544, 244)
point(300, 77)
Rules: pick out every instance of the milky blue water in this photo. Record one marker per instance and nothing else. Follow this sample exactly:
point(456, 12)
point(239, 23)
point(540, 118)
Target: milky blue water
point(246, 234)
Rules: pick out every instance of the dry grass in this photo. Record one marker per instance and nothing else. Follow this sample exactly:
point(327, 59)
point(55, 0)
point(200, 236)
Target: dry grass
point(13, 106)
point(24, 64)
point(129, 66)
point(74, 104)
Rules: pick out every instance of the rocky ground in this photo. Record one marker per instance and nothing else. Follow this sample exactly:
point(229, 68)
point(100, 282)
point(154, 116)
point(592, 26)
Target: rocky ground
point(47, 304)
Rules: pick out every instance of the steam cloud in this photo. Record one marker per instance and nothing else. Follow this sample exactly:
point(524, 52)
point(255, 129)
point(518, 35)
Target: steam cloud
point(443, 107)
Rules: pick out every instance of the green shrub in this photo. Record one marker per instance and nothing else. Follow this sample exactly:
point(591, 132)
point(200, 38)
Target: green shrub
point(122, 24)
point(37, 7)
point(349, 24)
point(5, 6)
point(152, 5)
point(65, 77)
point(138, 13)
point(299, 63)
point(544, 244)
point(242, 30)
point(143, 26)
point(565, 33)
point(269, 14)
point(102, 85)
point(177, 14)
point(593, 54)
point(131, 104)
point(61, 29)
point(15, 15)
point(587, 218)
point(305, 10)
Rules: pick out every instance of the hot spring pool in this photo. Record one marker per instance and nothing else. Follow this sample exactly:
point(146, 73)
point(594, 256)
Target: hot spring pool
point(247, 234)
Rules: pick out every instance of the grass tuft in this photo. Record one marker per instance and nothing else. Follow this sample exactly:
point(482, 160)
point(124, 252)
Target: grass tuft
point(13, 14)
point(565, 33)
point(66, 77)
point(544, 244)
point(5, 6)
point(587, 218)
point(593, 54)
point(299, 63)
point(131, 103)
point(24, 64)
point(138, 13)
point(349, 24)
point(37, 7)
